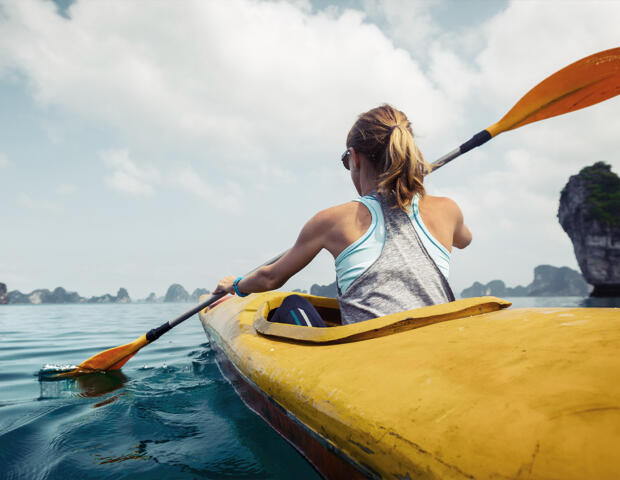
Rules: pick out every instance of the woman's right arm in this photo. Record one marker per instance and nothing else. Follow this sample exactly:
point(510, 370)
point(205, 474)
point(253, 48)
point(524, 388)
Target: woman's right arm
point(311, 240)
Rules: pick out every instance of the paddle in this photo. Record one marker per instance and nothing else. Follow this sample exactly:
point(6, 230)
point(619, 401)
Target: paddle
point(115, 358)
point(583, 83)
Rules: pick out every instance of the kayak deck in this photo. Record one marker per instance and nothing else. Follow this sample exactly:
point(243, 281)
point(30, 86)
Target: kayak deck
point(461, 390)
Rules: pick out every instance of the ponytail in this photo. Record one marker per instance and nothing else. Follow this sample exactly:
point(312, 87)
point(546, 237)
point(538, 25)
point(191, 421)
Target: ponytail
point(385, 136)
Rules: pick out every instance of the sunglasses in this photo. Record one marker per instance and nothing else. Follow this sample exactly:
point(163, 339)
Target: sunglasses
point(345, 158)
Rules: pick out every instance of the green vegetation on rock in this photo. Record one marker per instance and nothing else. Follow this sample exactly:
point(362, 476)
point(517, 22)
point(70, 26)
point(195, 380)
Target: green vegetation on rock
point(603, 198)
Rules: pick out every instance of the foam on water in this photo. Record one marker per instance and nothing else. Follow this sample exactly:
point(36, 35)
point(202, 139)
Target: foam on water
point(50, 371)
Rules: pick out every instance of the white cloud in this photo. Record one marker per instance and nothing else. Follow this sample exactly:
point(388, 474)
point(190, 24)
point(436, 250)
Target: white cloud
point(139, 179)
point(266, 91)
point(4, 162)
point(409, 24)
point(531, 40)
point(451, 74)
point(66, 189)
point(262, 76)
point(40, 205)
point(225, 197)
point(127, 176)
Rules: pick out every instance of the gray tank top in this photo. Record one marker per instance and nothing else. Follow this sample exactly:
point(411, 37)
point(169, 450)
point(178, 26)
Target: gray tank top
point(403, 277)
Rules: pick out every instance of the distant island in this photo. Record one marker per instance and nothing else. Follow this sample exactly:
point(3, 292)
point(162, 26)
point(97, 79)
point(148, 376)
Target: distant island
point(329, 290)
point(548, 281)
point(175, 293)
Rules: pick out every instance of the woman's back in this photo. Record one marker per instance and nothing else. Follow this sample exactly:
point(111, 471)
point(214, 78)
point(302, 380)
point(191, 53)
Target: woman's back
point(389, 269)
point(441, 216)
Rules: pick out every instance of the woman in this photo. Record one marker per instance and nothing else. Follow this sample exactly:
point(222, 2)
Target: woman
point(391, 246)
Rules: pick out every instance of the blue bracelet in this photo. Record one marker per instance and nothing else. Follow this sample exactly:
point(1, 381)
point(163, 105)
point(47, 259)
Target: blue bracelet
point(236, 288)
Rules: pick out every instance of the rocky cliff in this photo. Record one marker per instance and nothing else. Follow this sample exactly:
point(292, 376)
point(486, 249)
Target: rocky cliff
point(152, 298)
point(121, 297)
point(60, 295)
point(4, 298)
point(176, 293)
point(496, 288)
point(324, 290)
point(43, 295)
point(589, 213)
point(548, 281)
point(197, 293)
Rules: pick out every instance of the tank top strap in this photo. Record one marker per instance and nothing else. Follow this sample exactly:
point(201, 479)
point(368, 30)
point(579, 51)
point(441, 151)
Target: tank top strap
point(439, 253)
point(359, 255)
point(371, 203)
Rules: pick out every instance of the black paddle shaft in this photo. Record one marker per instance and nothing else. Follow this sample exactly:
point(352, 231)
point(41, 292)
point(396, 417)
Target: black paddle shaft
point(475, 141)
point(155, 333)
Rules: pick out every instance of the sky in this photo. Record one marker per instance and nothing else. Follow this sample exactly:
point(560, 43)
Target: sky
point(144, 144)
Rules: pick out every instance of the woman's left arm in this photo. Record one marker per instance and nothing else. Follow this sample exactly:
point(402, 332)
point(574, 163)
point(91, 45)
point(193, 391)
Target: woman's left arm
point(310, 241)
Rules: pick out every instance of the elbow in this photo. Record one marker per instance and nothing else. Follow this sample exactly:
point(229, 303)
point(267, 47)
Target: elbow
point(273, 284)
point(463, 241)
point(270, 280)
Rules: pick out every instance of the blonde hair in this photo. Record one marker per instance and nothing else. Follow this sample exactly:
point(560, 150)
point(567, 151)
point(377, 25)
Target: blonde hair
point(385, 136)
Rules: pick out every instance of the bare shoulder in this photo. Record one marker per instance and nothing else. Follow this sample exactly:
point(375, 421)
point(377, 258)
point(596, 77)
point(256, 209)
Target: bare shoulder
point(445, 205)
point(336, 227)
point(338, 213)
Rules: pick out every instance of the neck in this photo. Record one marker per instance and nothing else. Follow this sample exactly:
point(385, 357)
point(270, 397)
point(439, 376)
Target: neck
point(368, 182)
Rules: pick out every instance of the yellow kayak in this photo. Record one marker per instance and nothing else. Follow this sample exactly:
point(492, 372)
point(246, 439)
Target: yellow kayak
point(470, 389)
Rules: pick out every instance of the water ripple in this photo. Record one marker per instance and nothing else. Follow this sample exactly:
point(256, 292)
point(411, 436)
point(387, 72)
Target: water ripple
point(167, 414)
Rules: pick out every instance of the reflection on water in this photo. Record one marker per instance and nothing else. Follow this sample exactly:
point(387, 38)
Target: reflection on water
point(90, 385)
point(597, 302)
point(561, 302)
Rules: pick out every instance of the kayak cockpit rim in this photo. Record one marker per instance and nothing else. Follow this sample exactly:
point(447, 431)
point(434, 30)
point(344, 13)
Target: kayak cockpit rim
point(376, 327)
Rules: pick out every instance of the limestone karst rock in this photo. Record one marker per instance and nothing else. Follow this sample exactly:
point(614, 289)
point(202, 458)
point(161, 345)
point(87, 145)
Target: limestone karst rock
point(59, 295)
point(152, 298)
point(43, 295)
point(329, 290)
point(4, 298)
point(549, 281)
point(589, 213)
point(176, 293)
point(197, 293)
point(122, 296)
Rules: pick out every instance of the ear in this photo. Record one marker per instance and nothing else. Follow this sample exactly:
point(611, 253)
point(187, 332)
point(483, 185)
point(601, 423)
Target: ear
point(355, 157)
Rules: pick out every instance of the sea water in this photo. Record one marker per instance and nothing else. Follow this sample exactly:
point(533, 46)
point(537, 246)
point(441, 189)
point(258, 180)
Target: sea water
point(168, 414)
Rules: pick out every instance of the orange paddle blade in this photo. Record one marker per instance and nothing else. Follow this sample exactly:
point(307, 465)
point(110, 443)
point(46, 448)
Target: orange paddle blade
point(111, 359)
point(583, 83)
